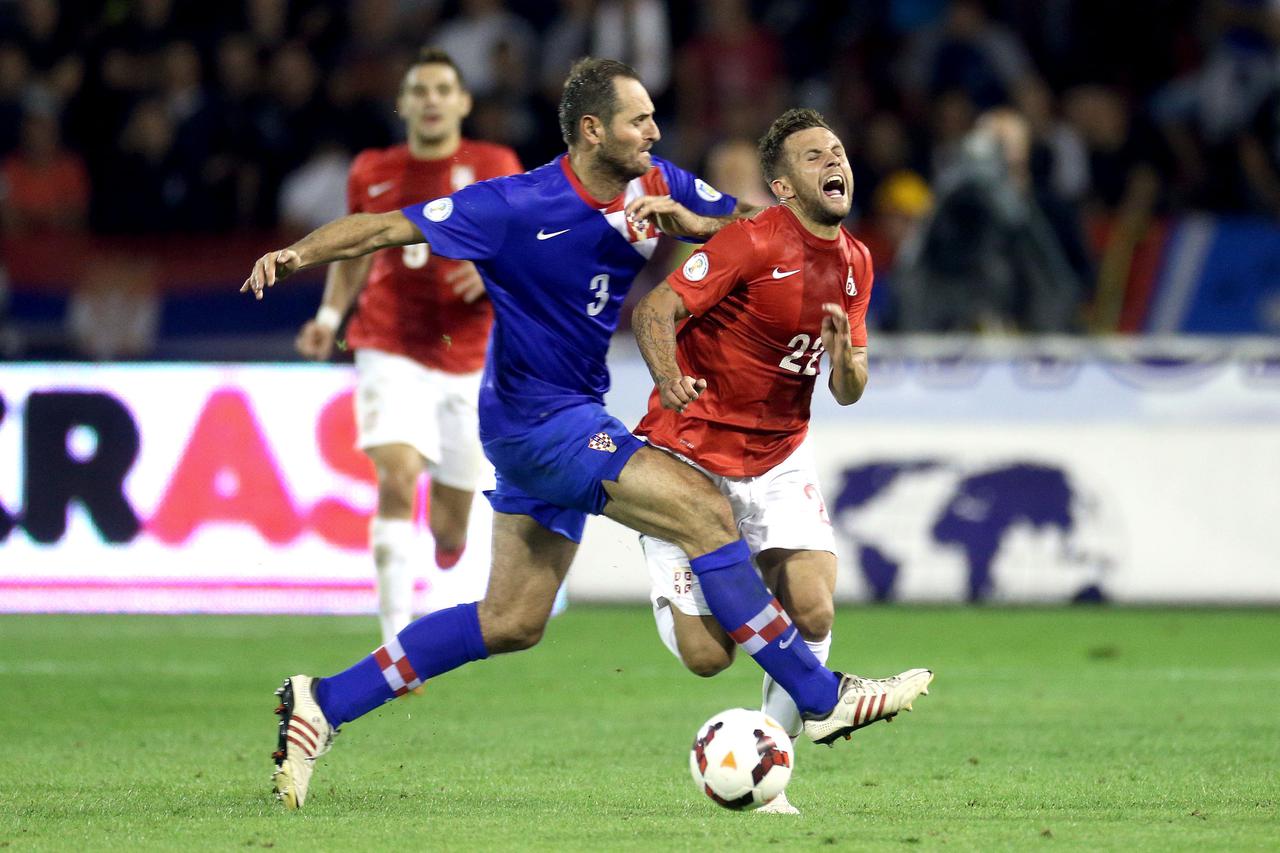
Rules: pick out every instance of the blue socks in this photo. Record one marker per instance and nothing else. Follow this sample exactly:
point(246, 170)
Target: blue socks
point(743, 605)
point(427, 647)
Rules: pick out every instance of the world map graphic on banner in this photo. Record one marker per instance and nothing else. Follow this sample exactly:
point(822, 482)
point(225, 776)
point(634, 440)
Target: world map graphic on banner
point(998, 529)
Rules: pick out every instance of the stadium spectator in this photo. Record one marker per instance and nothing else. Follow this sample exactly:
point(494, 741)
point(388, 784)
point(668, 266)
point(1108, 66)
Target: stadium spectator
point(733, 166)
point(988, 260)
point(634, 31)
point(15, 85)
point(483, 29)
point(739, 71)
point(316, 192)
point(968, 51)
point(43, 186)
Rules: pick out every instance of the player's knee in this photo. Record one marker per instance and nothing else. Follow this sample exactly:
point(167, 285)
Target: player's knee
point(397, 489)
point(814, 619)
point(706, 661)
point(513, 633)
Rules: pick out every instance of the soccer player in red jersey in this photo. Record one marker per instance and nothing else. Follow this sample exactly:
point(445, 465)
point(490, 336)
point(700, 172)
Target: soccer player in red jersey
point(419, 333)
point(760, 303)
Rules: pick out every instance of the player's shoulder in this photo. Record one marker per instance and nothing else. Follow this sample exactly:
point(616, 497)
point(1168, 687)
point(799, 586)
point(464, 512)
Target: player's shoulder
point(374, 158)
point(855, 248)
point(669, 175)
point(481, 149)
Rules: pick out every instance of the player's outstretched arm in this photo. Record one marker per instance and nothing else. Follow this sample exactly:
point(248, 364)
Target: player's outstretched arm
point(673, 218)
point(654, 323)
point(848, 363)
point(349, 237)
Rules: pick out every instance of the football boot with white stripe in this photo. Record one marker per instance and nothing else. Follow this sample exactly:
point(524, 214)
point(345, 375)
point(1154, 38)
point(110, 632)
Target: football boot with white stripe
point(305, 735)
point(863, 701)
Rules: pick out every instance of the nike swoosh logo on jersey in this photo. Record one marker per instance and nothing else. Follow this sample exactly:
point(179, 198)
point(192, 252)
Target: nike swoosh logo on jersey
point(376, 190)
point(542, 235)
point(789, 640)
point(777, 273)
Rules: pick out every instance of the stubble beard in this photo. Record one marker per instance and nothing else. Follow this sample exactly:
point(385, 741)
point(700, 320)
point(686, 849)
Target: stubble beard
point(818, 212)
point(615, 166)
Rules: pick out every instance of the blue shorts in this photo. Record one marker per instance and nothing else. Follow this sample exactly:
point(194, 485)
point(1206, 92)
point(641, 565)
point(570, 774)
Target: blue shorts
point(555, 471)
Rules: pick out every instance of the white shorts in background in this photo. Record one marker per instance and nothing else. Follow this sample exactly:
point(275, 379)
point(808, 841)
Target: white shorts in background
point(781, 508)
point(399, 401)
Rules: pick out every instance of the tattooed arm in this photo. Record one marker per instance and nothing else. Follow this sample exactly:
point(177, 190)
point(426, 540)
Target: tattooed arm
point(654, 324)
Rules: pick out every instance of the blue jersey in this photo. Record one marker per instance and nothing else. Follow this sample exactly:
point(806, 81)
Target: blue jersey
point(557, 265)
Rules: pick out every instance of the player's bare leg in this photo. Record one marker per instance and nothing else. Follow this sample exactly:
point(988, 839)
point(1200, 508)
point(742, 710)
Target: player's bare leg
point(450, 514)
point(658, 495)
point(392, 533)
point(805, 583)
point(701, 643)
point(529, 564)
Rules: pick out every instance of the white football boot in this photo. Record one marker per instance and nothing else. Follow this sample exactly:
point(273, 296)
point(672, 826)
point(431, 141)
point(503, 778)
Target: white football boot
point(863, 701)
point(305, 735)
point(778, 805)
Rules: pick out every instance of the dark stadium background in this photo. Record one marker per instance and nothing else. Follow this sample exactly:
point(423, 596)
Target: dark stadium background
point(151, 148)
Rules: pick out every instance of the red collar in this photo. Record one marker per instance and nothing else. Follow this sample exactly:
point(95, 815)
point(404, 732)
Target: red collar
point(607, 206)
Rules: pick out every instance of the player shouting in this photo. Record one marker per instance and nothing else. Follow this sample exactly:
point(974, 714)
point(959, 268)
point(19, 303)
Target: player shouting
point(764, 299)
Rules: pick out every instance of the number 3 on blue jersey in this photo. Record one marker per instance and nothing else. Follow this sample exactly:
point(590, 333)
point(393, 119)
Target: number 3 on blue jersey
point(600, 287)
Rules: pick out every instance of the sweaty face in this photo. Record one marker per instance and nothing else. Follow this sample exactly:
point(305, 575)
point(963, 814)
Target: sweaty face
point(432, 103)
point(628, 137)
point(819, 174)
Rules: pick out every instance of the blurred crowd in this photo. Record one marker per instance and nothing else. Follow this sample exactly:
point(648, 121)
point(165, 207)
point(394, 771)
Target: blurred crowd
point(1009, 155)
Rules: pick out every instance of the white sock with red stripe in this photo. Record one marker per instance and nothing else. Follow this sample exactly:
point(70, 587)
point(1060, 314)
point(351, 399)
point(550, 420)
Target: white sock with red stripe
point(779, 704)
point(393, 541)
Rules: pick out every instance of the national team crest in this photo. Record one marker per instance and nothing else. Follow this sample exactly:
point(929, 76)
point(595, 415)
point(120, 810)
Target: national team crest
point(849, 286)
point(602, 441)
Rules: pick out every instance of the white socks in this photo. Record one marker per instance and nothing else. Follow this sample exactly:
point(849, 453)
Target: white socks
point(777, 702)
point(667, 628)
point(393, 542)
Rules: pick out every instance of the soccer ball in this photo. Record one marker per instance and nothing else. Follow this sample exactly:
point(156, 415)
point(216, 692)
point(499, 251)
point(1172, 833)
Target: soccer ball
point(741, 759)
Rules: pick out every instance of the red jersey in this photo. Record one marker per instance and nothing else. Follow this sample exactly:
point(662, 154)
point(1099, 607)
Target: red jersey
point(756, 292)
point(407, 306)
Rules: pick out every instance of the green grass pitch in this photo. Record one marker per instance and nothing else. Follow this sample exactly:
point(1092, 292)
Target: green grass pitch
point(1046, 729)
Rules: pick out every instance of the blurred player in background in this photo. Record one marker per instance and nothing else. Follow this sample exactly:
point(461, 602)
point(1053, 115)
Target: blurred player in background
point(762, 301)
point(558, 248)
point(419, 333)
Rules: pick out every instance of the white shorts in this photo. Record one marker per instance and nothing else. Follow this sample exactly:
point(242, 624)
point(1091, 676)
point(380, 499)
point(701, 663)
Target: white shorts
point(399, 401)
point(781, 508)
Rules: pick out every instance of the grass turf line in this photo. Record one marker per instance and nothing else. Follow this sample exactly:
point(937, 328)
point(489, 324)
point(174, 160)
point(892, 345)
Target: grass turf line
point(1075, 728)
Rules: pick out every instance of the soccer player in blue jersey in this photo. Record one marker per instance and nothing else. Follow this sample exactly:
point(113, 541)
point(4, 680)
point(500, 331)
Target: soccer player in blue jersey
point(558, 247)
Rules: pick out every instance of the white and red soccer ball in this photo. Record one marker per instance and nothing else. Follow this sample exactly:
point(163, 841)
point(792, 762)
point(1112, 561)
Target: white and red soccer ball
point(741, 759)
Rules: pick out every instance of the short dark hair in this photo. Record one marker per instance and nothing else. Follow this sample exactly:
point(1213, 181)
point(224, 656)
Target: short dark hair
point(775, 138)
point(433, 56)
point(589, 91)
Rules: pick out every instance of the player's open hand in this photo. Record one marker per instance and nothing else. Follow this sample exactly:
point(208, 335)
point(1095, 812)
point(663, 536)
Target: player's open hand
point(835, 332)
point(315, 341)
point(670, 216)
point(680, 392)
point(466, 282)
point(270, 268)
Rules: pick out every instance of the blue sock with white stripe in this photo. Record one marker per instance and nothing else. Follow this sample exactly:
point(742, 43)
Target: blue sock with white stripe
point(743, 605)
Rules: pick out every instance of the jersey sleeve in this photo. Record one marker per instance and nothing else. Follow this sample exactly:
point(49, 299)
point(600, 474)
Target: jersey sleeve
point(695, 193)
point(713, 271)
point(357, 183)
point(470, 225)
point(856, 305)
